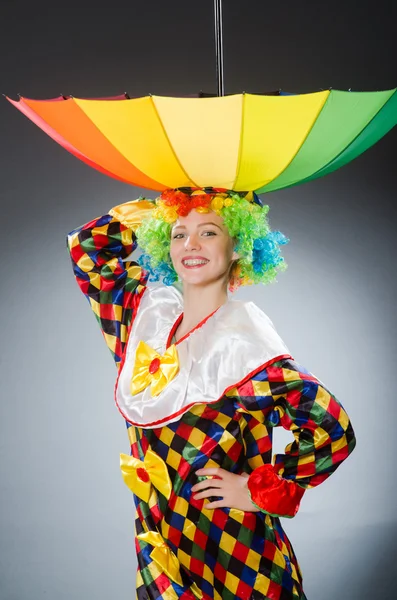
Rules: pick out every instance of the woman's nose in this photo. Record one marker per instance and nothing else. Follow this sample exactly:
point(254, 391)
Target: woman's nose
point(192, 242)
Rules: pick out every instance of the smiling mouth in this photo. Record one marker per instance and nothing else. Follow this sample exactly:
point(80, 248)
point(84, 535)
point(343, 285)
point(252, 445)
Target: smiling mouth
point(194, 262)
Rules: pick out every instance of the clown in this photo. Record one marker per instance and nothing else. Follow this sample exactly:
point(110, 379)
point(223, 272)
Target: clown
point(202, 381)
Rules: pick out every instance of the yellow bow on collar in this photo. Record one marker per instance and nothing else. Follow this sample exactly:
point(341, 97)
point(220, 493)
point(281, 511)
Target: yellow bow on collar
point(162, 555)
point(139, 475)
point(152, 369)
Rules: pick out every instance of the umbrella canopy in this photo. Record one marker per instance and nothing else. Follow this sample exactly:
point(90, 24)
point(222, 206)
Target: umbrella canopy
point(241, 142)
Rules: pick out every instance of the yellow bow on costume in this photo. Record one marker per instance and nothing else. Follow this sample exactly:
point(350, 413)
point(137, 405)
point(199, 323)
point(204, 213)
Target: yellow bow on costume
point(162, 555)
point(152, 369)
point(139, 475)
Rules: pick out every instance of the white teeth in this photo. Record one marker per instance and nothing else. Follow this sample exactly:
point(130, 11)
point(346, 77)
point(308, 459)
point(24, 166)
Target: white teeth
point(194, 261)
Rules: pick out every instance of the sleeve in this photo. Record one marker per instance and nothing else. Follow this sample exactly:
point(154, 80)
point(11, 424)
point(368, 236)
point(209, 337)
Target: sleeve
point(112, 286)
point(285, 394)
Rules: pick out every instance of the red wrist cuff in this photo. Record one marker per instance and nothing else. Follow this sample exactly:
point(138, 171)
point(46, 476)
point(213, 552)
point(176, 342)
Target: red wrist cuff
point(275, 495)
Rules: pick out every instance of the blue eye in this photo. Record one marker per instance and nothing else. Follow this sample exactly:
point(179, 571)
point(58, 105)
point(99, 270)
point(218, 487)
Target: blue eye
point(209, 232)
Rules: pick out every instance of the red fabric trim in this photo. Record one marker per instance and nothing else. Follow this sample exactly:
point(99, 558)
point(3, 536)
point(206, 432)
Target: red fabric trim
point(173, 329)
point(277, 496)
point(177, 323)
point(186, 408)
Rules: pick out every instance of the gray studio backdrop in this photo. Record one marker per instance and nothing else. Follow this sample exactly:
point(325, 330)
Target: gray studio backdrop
point(67, 526)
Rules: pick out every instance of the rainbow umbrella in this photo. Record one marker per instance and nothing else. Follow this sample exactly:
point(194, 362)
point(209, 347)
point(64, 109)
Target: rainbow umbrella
point(241, 142)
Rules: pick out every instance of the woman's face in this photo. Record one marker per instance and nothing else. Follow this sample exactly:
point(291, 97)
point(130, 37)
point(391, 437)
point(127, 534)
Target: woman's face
point(201, 248)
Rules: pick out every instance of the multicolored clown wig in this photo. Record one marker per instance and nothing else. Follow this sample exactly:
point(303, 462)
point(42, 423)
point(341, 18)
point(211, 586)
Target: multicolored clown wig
point(245, 218)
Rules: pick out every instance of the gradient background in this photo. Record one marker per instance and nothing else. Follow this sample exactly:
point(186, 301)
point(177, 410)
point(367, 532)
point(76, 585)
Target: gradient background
point(66, 517)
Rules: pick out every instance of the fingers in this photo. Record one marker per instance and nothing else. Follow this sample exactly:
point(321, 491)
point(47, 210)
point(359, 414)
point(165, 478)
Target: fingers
point(212, 471)
point(206, 494)
point(216, 504)
point(216, 483)
point(230, 488)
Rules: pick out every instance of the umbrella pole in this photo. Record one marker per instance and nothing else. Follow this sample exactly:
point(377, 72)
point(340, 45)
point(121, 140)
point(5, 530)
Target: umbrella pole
point(219, 46)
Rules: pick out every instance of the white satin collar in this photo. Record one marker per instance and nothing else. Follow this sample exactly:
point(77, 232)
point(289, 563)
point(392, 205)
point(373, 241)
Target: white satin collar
point(234, 343)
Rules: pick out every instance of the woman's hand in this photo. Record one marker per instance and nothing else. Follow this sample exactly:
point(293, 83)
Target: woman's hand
point(231, 487)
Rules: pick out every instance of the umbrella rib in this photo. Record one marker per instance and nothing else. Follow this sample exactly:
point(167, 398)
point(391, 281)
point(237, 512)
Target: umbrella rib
point(302, 143)
point(240, 146)
point(67, 145)
point(70, 147)
point(115, 149)
point(313, 175)
point(169, 142)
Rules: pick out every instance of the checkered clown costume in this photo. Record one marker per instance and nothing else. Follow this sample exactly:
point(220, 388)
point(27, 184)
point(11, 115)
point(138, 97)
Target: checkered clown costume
point(210, 399)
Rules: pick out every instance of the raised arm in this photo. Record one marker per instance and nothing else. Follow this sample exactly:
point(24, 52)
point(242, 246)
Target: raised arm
point(112, 286)
point(286, 394)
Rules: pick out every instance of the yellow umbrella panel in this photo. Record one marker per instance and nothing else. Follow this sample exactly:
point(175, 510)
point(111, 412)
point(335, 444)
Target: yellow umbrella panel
point(241, 142)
